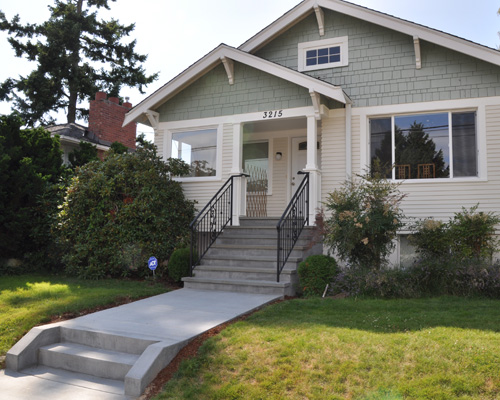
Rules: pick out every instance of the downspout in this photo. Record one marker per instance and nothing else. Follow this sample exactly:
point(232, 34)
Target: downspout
point(348, 140)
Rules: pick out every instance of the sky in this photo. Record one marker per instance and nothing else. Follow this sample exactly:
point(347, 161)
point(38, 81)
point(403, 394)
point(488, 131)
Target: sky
point(175, 34)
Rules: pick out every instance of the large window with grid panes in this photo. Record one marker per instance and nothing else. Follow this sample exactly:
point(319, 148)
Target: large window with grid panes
point(439, 145)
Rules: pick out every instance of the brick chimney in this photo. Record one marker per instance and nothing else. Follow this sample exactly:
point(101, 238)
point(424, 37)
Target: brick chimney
point(106, 119)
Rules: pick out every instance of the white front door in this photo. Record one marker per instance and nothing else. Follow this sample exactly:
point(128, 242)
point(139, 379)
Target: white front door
point(299, 160)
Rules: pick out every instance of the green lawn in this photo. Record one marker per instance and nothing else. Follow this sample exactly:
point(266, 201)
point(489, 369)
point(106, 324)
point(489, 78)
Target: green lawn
point(445, 348)
point(29, 300)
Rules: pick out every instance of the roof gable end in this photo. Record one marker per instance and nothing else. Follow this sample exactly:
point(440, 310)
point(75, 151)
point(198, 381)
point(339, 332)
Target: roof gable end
point(406, 27)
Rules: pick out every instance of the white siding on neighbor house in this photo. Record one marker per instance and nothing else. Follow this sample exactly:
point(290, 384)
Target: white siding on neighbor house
point(277, 201)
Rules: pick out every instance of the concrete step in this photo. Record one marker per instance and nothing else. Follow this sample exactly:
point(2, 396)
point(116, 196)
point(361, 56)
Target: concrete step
point(240, 286)
point(105, 341)
point(253, 262)
point(254, 274)
point(87, 360)
point(264, 221)
point(256, 240)
point(250, 251)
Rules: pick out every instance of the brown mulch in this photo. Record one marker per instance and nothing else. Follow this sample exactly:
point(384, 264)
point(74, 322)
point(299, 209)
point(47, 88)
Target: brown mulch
point(188, 352)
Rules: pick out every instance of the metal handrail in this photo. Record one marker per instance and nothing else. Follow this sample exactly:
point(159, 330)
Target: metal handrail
point(292, 222)
point(211, 221)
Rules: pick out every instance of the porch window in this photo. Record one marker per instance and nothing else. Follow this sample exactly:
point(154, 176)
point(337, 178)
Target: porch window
point(255, 161)
point(425, 146)
point(198, 149)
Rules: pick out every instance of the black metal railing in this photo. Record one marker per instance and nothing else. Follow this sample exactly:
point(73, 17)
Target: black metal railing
point(211, 221)
point(293, 220)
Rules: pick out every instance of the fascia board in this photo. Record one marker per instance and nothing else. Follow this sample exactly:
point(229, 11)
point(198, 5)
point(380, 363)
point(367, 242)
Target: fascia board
point(173, 87)
point(415, 30)
point(213, 58)
point(287, 74)
point(292, 17)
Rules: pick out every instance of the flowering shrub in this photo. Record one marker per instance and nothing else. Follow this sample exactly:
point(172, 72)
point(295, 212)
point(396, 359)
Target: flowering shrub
point(364, 221)
point(315, 272)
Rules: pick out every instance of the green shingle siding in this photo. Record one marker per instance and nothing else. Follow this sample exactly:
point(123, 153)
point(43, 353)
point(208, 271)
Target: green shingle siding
point(252, 91)
point(381, 68)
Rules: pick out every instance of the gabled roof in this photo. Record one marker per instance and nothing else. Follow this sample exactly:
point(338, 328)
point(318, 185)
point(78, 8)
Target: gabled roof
point(216, 57)
point(306, 7)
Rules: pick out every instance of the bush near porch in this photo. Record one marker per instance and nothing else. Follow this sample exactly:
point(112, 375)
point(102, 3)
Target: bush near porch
point(120, 211)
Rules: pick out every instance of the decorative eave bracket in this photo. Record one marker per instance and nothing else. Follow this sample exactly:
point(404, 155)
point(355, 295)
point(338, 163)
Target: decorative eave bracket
point(418, 54)
point(229, 66)
point(319, 109)
point(154, 118)
point(320, 16)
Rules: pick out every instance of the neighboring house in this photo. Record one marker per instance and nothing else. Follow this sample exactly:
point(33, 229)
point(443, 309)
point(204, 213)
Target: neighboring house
point(328, 88)
point(105, 127)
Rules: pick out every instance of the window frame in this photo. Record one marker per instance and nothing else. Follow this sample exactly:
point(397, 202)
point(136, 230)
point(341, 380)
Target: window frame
point(303, 48)
point(450, 113)
point(218, 162)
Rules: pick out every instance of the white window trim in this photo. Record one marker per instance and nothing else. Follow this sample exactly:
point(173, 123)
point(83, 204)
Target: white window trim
point(168, 150)
point(393, 117)
point(478, 104)
point(319, 44)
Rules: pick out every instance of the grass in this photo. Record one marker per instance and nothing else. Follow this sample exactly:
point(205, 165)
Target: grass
point(29, 300)
point(444, 348)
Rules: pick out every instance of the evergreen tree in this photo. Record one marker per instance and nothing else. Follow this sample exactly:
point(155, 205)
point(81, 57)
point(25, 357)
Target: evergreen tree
point(77, 55)
point(30, 168)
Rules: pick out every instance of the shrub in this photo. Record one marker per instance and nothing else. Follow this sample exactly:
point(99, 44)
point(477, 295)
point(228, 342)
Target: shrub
point(179, 264)
point(30, 172)
point(468, 235)
point(85, 153)
point(431, 238)
point(365, 219)
point(315, 272)
point(473, 234)
point(120, 211)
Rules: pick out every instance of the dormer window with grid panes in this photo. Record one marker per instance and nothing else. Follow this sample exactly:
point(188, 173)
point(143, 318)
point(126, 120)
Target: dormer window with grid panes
point(321, 54)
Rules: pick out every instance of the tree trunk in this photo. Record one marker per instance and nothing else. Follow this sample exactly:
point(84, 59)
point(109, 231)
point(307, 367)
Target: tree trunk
point(73, 93)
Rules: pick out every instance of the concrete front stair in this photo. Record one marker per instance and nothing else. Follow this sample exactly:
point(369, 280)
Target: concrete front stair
point(115, 353)
point(244, 259)
point(126, 364)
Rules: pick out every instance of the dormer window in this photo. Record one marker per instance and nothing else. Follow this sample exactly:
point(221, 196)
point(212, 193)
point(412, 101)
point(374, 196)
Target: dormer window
point(321, 54)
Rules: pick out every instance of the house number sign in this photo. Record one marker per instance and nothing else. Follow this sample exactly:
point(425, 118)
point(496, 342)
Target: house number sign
point(272, 114)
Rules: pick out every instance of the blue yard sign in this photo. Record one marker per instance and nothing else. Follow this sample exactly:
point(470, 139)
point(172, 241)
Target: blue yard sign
point(152, 263)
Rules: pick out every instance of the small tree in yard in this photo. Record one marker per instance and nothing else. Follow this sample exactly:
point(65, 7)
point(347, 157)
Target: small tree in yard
point(364, 221)
point(120, 211)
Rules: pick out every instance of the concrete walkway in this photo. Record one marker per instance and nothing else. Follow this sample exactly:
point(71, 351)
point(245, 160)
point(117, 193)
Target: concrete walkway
point(175, 316)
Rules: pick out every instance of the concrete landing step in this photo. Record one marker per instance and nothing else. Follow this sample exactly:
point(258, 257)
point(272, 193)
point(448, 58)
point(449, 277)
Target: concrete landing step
point(87, 360)
point(239, 285)
point(96, 385)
